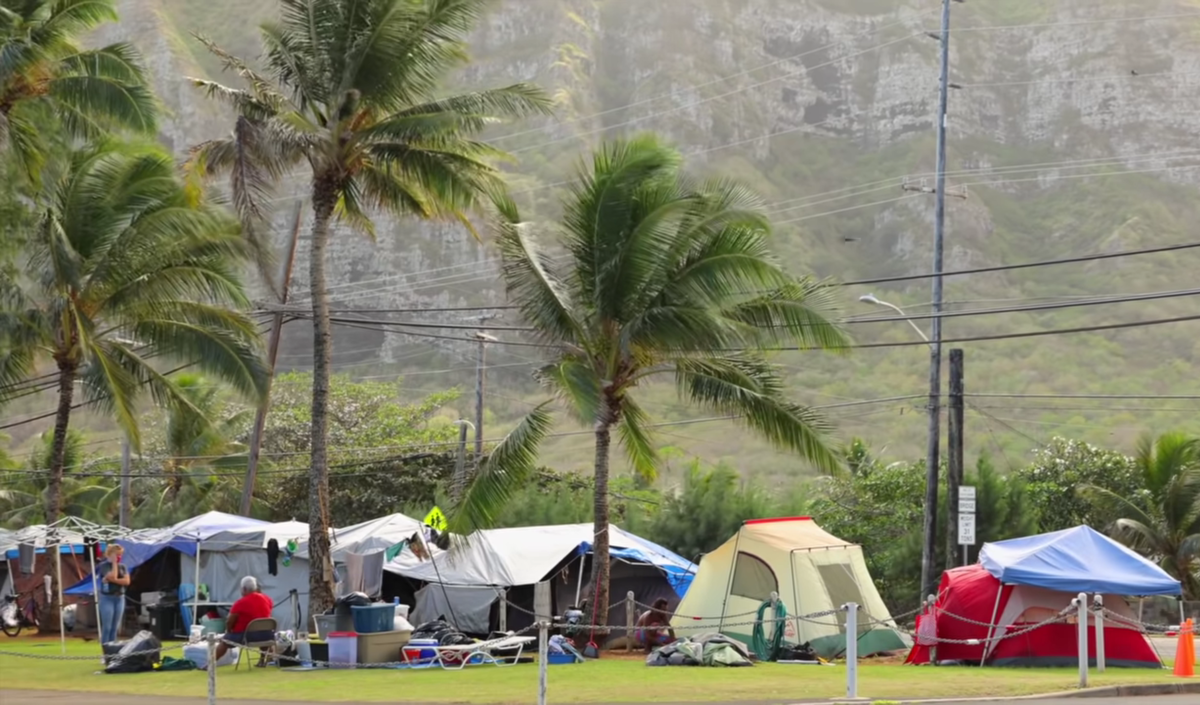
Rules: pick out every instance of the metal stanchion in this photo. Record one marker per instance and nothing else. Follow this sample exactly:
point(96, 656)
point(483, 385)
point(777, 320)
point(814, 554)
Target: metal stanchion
point(543, 659)
point(1081, 603)
point(1098, 607)
point(851, 610)
point(211, 667)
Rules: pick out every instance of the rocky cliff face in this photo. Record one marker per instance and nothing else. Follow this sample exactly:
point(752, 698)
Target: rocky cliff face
point(802, 98)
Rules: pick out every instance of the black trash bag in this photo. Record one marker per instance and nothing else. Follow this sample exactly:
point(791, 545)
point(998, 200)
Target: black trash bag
point(801, 652)
point(344, 621)
point(136, 655)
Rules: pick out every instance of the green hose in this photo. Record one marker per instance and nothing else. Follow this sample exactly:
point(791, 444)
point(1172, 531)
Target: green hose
point(762, 649)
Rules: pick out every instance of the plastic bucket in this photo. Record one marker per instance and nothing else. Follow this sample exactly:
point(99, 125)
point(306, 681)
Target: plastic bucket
point(324, 623)
point(343, 649)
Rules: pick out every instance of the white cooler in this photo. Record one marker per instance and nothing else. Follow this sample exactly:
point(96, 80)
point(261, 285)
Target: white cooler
point(198, 654)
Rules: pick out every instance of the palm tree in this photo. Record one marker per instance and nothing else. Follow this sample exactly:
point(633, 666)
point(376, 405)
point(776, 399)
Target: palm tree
point(44, 73)
point(196, 436)
point(351, 93)
point(664, 276)
point(23, 499)
point(1163, 521)
point(126, 267)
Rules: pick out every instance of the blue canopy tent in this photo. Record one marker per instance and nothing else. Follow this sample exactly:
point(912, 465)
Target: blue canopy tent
point(1076, 560)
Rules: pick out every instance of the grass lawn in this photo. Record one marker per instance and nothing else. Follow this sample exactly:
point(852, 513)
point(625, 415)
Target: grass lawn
point(614, 678)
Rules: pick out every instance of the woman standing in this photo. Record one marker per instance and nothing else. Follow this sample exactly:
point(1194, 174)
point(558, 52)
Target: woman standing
point(113, 579)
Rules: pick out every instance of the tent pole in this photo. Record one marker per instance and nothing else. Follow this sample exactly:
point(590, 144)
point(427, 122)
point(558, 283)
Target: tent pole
point(987, 647)
point(62, 631)
point(579, 583)
point(96, 600)
point(196, 590)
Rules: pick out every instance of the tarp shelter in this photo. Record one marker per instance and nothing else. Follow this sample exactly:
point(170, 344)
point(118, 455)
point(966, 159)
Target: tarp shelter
point(464, 584)
point(71, 543)
point(228, 556)
point(368, 536)
point(1023, 582)
point(811, 570)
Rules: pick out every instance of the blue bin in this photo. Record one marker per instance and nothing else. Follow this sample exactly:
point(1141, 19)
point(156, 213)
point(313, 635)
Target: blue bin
point(560, 659)
point(373, 619)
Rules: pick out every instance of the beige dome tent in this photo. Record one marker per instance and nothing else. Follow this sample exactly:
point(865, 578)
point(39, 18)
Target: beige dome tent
point(811, 569)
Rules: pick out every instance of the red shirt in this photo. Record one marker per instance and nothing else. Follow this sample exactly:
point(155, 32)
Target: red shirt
point(251, 607)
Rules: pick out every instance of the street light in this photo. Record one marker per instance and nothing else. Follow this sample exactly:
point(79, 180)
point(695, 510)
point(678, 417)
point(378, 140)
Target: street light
point(870, 299)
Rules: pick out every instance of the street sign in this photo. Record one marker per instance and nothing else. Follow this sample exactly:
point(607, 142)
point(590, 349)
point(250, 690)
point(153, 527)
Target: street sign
point(966, 506)
point(966, 492)
point(966, 529)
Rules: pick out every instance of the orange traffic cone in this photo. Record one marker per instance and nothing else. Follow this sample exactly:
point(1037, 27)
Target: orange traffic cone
point(1185, 653)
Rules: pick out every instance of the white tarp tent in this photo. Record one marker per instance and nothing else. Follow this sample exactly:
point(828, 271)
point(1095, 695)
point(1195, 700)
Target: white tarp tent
point(227, 556)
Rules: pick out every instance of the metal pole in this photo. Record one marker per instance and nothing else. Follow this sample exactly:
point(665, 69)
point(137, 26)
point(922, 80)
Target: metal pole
point(543, 659)
point(851, 610)
point(96, 601)
point(929, 550)
point(1098, 607)
point(260, 416)
point(126, 479)
point(630, 620)
point(62, 631)
point(211, 667)
point(503, 616)
point(1081, 603)
point(955, 469)
point(479, 365)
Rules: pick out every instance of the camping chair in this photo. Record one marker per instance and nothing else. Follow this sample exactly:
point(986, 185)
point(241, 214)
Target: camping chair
point(258, 625)
point(459, 656)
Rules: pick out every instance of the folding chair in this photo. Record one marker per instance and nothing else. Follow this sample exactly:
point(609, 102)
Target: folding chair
point(258, 625)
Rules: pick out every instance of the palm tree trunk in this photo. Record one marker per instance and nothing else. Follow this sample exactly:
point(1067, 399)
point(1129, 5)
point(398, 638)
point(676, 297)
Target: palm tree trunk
point(58, 452)
point(600, 546)
point(320, 575)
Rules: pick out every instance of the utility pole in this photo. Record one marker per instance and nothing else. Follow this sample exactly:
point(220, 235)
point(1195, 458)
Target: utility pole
point(929, 549)
point(480, 366)
point(460, 467)
point(955, 470)
point(260, 416)
point(126, 480)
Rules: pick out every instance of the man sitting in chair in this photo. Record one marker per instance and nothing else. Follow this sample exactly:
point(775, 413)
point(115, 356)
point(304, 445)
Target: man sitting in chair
point(253, 605)
point(654, 626)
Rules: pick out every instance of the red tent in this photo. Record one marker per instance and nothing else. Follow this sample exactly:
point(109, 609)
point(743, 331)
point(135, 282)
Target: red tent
point(970, 599)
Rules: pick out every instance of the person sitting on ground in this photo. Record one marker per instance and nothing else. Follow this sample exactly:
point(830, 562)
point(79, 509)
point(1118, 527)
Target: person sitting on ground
point(253, 605)
point(653, 627)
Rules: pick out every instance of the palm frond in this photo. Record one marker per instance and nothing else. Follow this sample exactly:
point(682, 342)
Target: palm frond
point(637, 440)
point(507, 470)
point(802, 311)
point(748, 388)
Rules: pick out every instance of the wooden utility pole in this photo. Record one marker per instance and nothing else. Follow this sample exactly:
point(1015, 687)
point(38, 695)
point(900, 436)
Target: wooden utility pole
point(260, 417)
point(480, 366)
point(954, 471)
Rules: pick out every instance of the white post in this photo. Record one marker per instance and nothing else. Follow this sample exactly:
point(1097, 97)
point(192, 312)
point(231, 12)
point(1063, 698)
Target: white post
point(211, 667)
point(932, 601)
point(1098, 606)
point(196, 589)
point(62, 630)
point(851, 610)
point(543, 659)
point(96, 600)
point(503, 610)
point(1081, 603)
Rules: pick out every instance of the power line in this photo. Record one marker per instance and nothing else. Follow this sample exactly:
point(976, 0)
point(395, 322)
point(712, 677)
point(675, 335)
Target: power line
point(1083, 396)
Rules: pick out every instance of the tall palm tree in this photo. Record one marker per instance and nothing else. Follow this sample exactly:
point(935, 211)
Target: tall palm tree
point(23, 497)
point(664, 276)
point(196, 435)
point(1163, 522)
point(126, 267)
point(44, 73)
point(351, 93)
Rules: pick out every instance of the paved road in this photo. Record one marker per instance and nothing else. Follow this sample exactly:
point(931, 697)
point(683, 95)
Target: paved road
point(25, 697)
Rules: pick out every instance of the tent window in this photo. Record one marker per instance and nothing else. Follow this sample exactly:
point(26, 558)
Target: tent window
point(841, 586)
point(753, 578)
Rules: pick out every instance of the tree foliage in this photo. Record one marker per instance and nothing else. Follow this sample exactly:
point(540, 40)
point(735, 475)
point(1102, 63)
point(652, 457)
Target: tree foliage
point(1063, 466)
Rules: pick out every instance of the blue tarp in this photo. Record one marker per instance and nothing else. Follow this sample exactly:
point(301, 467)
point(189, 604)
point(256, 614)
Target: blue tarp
point(678, 570)
point(1075, 560)
point(182, 537)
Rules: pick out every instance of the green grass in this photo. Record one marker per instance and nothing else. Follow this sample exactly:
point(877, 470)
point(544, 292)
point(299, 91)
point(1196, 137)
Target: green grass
point(611, 679)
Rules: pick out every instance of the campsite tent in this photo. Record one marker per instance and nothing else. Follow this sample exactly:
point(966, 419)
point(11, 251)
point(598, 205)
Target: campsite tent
point(811, 569)
point(464, 584)
point(367, 537)
point(1022, 582)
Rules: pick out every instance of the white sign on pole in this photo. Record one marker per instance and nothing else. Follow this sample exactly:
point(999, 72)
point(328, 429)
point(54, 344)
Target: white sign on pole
point(966, 506)
point(966, 529)
point(966, 492)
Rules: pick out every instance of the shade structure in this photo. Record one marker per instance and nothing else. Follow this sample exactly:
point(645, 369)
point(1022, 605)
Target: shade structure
point(367, 537)
point(1075, 560)
point(811, 570)
point(970, 599)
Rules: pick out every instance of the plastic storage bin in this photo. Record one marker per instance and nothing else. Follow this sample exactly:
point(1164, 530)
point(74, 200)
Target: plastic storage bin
point(373, 619)
point(560, 659)
point(381, 647)
point(343, 649)
point(324, 623)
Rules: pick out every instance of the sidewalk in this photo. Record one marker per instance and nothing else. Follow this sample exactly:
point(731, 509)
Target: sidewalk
point(45, 697)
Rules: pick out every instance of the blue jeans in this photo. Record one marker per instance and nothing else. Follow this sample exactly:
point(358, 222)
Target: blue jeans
point(112, 609)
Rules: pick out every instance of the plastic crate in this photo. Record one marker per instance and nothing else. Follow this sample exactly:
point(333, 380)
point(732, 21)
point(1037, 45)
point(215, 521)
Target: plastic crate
point(373, 619)
point(343, 649)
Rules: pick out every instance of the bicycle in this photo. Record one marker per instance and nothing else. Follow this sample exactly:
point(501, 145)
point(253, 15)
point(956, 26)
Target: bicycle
point(14, 617)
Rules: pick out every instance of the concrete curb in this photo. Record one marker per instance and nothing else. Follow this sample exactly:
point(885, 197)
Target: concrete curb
point(1111, 691)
